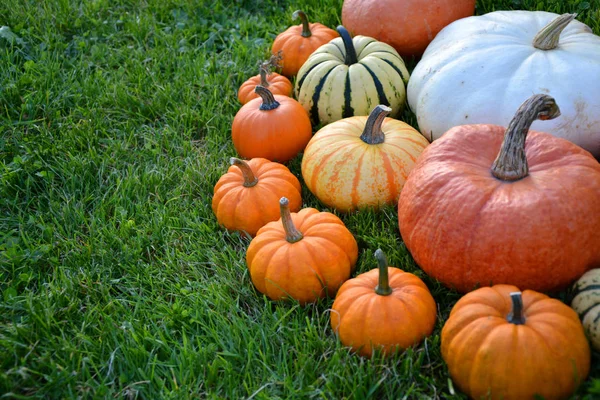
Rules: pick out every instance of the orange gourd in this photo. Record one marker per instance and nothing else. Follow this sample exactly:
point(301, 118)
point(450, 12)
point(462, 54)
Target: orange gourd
point(407, 25)
point(488, 205)
point(277, 84)
point(500, 343)
point(298, 42)
point(385, 308)
point(304, 256)
point(274, 127)
point(361, 161)
point(245, 198)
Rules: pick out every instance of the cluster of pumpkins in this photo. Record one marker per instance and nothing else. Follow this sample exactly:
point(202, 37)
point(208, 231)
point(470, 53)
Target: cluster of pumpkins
point(488, 203)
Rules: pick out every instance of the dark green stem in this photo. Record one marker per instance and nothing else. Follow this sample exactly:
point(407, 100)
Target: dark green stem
point(249, 178)
point(383, 288)
point(351, 57)
point(516, 313)
point(292, 234)
point(268, 100)
point(372, 134)
point(305, 26)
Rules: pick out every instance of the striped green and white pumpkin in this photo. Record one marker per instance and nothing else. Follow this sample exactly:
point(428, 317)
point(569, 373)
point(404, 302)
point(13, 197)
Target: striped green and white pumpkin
point(350, 76)
point(587, 304)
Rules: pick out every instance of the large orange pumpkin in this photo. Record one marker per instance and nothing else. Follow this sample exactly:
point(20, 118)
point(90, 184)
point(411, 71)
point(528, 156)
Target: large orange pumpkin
point(298, 42)
point(385, 308)
point(361, 161)
point(274, 127)
point(304, 256)
point(500, 343)
point(407, 25)
point(245, 198)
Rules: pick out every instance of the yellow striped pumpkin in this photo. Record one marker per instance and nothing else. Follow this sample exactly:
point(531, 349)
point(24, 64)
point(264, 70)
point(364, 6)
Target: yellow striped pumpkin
point(587, 304)
point(361, 161)
point(349, 76)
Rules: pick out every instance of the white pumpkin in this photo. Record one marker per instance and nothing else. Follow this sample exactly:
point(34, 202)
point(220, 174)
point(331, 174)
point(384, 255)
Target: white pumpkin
point(587, 304)
point(480, 69)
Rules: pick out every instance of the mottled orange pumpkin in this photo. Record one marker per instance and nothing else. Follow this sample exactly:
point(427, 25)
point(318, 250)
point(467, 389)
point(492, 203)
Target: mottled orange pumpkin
point(274, 127)
point(385, 308)
point(277, 84)
point(361, 161)
point(298, 42)
point(500, 343)
point(245, 198)
point(487, 205)
point(304, 256)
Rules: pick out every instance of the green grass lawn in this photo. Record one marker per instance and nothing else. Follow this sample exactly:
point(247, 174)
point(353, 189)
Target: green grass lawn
point(116, 280)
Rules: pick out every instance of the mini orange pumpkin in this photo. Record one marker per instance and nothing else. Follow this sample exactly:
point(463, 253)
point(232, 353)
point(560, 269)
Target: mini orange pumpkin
point(500, 343)
point(532, 219)
point(298, 42)
point(384, 308)
point(277, 84)
point(274, 127)
point(245, 198)
point(304, 256)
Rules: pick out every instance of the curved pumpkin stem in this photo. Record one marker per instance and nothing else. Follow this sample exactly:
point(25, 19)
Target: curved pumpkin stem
point(292, 234)
point(249, 178)
point(264, 72)
point(548, 37)
point(305, 26)
point(351, 57)
point(372, 134)
point(516, 313)
point(268, 100)
point(383, 287)
point(511, 162)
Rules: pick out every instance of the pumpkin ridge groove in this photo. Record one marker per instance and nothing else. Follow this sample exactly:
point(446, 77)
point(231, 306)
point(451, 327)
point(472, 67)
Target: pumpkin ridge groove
point(314, 110)
point(348, 110)
point(398, 71)
point(380, 92)
point(589, 287)
point(301, 81)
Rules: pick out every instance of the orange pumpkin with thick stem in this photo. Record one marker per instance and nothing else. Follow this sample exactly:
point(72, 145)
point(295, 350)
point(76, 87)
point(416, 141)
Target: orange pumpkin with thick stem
point(274, 127)
point(385, 308)
point(298, 42)
point(500, 343)
point(245, 198)
point(304, 256)
point(407, 25)
point(277, 84)
point(488, 205)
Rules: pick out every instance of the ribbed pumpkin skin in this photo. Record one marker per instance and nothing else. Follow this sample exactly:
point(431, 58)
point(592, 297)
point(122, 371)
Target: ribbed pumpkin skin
point(346, 173)
point(466, 228)
point(587, 304)
point(309, 269)
point(364, 320)
point(330, 90)
point(278, 84)
point(491, 358)
point(248, 209)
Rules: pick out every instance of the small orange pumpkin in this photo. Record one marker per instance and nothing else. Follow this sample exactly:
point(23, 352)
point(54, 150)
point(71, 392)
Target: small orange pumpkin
point(274, 127)
point(304, 256)
point(500, 343)
point(245, 198)
point(277, 84)
point(385, 308)
point(298, 42)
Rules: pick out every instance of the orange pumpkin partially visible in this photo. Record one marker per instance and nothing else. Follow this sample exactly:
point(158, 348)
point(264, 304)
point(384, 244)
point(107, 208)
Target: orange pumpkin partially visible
point(304, 256)
point(487, 205)
point(385, 308)
point(298, 42)
point(245, 198)
point(277, 84)
point(500, 343)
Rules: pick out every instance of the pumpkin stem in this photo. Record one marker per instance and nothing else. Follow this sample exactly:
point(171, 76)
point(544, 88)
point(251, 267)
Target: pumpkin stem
point(372, 134)
point(383, 287)
point(305, 27)
point(511, 162)
point(268, 100)
point(548, 37)
point(249, 178)
point(292, 234)
point(516, 313)
point(264, 72)
point(351, 57)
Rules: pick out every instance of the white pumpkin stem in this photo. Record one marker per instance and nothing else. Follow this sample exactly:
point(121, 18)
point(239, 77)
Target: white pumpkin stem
point(249, 178)
point(292, 234)
point(351, 57)
point(516, 313)
point(383, 287)
point(511, 162)
point(548, 37)
point(372, 134)
point(305, 26)
point(268, 100)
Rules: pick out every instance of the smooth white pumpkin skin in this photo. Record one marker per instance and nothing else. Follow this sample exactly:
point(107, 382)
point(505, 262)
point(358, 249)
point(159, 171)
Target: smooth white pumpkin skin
point(480, 69)
point(587, 304)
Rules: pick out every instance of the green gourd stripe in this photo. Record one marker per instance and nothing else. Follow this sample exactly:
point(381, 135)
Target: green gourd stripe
point(339, 48)
point(348, 110)
point(314, 110)
point(587, 310)
point(301, 81)
point(597, 318)
point(391, 64)
point(586, 288)
point(380, 92)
